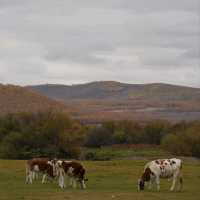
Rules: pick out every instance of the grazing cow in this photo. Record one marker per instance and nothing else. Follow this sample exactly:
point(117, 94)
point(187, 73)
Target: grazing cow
point(39, 165)
point(156, 169)
point(74, 170)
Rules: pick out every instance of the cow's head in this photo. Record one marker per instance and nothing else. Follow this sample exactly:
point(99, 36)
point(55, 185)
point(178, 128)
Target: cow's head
point(81, 175)
point(52, 168)
point(81, 178)
point(141, 184)
point(146, 176)
point(58, 167)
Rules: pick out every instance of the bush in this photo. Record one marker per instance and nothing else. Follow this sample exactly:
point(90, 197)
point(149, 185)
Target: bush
point(176, 145)
point(186, 142)
point(98, 155)
point(98, 136)
point(154, 131)
point(119, 137)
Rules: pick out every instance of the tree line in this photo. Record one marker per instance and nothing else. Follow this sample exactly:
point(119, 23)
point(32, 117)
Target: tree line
point(182, 138)
point(26, 135)
point(51, 134)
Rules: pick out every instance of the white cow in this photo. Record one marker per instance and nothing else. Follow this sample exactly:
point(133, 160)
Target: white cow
point(163, 168)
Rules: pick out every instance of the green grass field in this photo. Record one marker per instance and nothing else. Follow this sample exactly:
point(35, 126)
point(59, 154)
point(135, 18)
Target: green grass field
point(107, 180)
point(111, 153)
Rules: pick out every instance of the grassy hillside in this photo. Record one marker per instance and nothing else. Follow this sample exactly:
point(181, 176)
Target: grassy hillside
point(15, 99)
point(107, 180)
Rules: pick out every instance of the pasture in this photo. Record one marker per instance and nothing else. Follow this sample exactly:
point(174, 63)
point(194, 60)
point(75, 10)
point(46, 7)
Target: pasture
point(114, 179)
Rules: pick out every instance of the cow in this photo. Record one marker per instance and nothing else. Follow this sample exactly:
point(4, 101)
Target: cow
point(40, 165)
point(162, 168)
point(74, 170)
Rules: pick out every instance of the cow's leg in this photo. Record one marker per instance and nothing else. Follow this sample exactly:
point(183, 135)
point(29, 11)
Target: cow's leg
point(61, 177)
point(180, 182)
point(74, 182)
point(157, 180)
point(27, 177)
point(33, 175)
point(83, 186)
point(173, 183)
point(36, 175)
point(43, 178)
point(70, 181)
point(176, 176)
point(150, 184)
point(61, 181)
point(30, 175)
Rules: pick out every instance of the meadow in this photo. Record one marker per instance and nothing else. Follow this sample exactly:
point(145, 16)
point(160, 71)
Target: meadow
point(115, 179)
point(117, 152)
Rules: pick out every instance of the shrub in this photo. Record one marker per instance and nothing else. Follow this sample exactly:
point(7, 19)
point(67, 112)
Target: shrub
point(98, 155)
point(119, 137)
point(186, 142)
point(98, 136)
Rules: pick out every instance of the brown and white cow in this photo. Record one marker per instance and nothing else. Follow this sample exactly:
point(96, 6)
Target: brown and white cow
point(74, 170)
point(162, 168)
point(40, 165)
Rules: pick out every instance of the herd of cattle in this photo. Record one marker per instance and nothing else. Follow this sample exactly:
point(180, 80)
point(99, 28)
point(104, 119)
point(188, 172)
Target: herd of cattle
point(58, 169)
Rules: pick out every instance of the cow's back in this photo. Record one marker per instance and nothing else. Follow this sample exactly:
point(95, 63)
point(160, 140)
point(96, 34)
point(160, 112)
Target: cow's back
point(165, 168)
point(40, 163)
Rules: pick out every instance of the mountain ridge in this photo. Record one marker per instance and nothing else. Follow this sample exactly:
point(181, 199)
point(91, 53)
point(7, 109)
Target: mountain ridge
point(108, 89)
point(114, 82)
point(110, 100)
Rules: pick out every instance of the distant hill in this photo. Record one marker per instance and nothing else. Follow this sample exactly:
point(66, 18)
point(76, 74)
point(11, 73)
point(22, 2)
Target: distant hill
point(108, 100)
point(15, 99)
point(112, 90)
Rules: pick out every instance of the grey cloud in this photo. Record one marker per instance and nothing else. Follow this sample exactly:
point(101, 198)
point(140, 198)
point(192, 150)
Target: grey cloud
point(87, 35)
point(193, 54)
point(159, 5)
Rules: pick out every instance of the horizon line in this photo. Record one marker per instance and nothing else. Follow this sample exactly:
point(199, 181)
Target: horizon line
point(101, 81)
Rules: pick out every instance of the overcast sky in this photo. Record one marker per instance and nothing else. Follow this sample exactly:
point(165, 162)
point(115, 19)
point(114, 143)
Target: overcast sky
point(78, 41)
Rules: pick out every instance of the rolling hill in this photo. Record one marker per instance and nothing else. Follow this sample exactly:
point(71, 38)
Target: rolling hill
point(112, 90)
point(109, 100)
point(14, 99)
